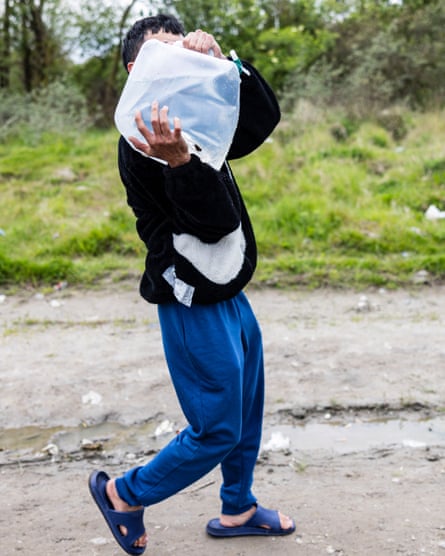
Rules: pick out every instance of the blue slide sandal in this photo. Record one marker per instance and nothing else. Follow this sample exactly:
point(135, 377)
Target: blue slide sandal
point(133, 521)
point(264, 522)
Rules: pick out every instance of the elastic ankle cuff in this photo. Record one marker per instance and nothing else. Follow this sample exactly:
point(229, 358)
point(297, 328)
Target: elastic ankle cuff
point(228, 509)
point(124, 493)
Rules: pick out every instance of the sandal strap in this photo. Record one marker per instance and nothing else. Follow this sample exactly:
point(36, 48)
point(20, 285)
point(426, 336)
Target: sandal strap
point(264, 516)
point(133, 521)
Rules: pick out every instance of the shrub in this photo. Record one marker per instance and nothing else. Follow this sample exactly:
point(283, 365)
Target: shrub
point(58, 108)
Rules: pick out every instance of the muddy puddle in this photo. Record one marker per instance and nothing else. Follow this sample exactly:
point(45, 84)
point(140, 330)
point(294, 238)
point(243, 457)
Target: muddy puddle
point(118, 441)
point(357, 436)
point(24, 443)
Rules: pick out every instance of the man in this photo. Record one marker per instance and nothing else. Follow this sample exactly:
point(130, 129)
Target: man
point(201, 254)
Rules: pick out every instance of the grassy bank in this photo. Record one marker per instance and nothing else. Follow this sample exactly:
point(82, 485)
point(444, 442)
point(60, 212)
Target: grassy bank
point(333, 203)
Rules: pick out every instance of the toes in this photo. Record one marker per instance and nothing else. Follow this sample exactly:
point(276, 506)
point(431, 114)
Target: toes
point(141, 542)
point(285, 521)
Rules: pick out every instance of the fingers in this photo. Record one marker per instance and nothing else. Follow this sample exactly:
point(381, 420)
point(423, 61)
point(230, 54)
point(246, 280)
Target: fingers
point(159, 123)
point(144, 131)
point(163, 142)
point(155, 118)
point(139, 145)
point(159, 120)
point(177, 127)
point(164, 125)
point(142, 128)
point(203, 42)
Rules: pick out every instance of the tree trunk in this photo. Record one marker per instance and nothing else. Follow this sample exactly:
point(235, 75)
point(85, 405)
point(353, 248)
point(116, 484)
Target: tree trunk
point(5, 62)
point(110, 96)
point(25, 50)
point(40, 57)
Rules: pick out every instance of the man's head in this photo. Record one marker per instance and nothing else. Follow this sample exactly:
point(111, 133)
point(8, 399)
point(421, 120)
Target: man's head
point(161, 26)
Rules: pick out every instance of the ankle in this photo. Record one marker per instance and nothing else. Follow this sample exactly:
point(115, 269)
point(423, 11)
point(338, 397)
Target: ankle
point(238, 519)
point(118, 503)
point(113, 495)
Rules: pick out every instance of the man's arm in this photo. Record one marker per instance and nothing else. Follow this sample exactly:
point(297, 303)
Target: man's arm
point(259, 114)
point(259, 109)
point(197, 198)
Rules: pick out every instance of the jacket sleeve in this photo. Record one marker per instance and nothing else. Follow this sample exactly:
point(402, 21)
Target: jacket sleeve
point(204, 201)
point(194, 198)
point(259, 114)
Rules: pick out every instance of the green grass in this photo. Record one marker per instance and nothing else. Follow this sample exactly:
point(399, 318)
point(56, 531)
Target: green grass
point(63, 212)
point(348, 213)
point(343, 211)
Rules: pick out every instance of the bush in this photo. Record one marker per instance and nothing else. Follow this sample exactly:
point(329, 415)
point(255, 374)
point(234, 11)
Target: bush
point(386, 56)
point(58, 108)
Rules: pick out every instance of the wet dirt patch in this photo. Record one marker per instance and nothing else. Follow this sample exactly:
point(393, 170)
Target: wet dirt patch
point(338, 434)
point(356, 397)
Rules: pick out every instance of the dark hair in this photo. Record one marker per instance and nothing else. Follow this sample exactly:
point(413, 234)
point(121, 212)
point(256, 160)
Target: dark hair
point(135, 37)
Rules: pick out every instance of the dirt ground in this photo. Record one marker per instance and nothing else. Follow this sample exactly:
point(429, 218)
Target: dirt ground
point(354, 439)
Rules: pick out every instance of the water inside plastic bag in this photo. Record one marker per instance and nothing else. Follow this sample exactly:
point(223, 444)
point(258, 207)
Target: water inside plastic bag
point(201, 90)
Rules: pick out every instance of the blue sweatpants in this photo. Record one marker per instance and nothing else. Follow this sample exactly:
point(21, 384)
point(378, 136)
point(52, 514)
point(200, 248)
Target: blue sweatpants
point(215, 358)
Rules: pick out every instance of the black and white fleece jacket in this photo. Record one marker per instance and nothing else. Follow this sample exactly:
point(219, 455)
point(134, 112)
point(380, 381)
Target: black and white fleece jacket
point(200, 242)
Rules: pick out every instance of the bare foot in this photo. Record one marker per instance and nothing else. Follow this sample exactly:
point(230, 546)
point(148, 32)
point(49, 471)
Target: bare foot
point(122, 506)
point(240, 519)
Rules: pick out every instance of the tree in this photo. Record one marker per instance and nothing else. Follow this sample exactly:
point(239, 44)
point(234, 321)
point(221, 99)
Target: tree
point(31, 50)
point(387, 54)
point(46, 40)
point(99, 40)
point(5, 45)
point(289, 50)
point(235, 25)
point(285, 13)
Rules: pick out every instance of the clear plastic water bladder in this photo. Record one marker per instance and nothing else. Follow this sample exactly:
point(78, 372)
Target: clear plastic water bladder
point(201, 90)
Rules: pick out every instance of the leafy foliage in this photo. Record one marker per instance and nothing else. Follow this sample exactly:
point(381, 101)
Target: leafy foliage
point(366, 55)
point(385, 55)
point(289, 49)
point(56, 108)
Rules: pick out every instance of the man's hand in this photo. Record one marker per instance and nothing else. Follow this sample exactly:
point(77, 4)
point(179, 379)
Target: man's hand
point(163, 142)
point(203, 42)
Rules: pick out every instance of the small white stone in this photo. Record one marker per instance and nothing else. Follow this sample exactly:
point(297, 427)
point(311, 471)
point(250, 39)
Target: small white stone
point(92, 398)
point(164, 428)
point(98, 541)
point(408, 443)
point(51, 449)
point(277, 442)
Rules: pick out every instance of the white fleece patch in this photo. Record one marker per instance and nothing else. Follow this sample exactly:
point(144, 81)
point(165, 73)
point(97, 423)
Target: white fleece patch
point(219, 262)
